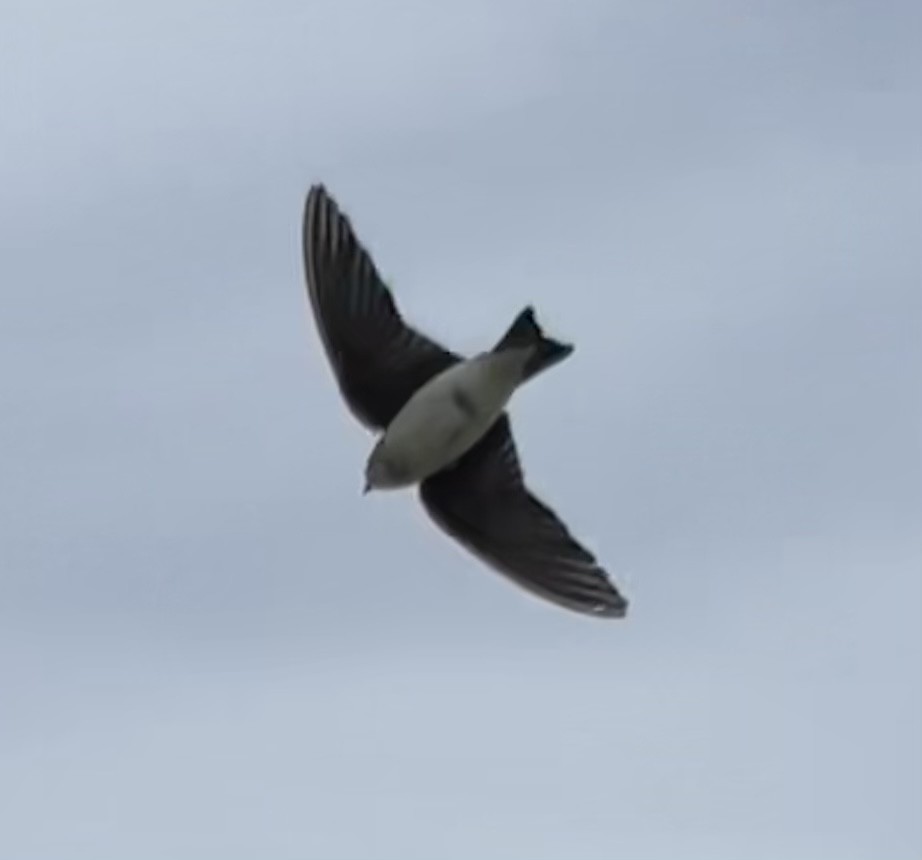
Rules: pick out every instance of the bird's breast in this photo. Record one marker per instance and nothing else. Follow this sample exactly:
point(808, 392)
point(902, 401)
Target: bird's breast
point(450, 413)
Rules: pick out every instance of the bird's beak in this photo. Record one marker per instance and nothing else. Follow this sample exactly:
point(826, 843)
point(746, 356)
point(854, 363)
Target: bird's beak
point(367, 488)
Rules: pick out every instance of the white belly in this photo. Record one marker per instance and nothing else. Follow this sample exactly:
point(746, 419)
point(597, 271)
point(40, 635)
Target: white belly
point(445, 417)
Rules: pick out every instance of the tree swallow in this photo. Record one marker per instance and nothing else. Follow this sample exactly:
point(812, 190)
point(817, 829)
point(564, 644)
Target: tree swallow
point(442, 418)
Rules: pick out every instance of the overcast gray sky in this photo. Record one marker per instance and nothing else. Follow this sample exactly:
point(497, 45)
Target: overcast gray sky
point(212, 646)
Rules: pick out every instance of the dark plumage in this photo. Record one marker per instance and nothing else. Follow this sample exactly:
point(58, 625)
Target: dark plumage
point(481, 500)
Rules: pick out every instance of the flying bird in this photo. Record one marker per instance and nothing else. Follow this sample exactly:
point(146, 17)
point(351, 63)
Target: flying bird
point(442, 418)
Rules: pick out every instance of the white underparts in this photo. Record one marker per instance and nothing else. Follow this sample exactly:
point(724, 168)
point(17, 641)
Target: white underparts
point(448, 414)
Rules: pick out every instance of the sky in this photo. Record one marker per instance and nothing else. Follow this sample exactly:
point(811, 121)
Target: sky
point(211, 645)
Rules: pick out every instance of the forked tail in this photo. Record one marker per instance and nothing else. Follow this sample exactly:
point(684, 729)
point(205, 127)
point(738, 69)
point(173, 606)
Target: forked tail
point(524, 332)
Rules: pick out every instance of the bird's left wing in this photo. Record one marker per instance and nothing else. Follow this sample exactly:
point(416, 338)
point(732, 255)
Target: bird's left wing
point(379, 360)
point(483, 503)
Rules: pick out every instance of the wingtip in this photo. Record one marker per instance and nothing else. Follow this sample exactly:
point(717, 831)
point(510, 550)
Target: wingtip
point(317, 191)
point(611, 605)
point(615, 610)
point(310, 202)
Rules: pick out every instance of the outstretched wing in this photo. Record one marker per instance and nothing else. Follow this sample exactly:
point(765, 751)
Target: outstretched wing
point(483, 503)
point(379, 360)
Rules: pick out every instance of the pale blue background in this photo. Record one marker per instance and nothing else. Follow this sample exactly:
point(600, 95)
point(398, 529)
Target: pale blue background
point(212, 646)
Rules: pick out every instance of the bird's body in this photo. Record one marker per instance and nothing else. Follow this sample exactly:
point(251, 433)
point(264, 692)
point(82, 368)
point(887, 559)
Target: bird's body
point(445, 417)
point(442, 418)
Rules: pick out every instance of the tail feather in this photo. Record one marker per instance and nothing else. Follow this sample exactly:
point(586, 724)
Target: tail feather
point(525, 332)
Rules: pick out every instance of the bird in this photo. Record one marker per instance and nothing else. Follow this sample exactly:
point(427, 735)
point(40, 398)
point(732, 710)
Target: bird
point(442, 419)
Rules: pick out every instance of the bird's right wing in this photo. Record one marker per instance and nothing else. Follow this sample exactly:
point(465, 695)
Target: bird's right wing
point(379, 361)
point(483, 503)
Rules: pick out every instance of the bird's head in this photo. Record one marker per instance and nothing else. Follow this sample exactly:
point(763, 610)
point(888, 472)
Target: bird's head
point(383, 471)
